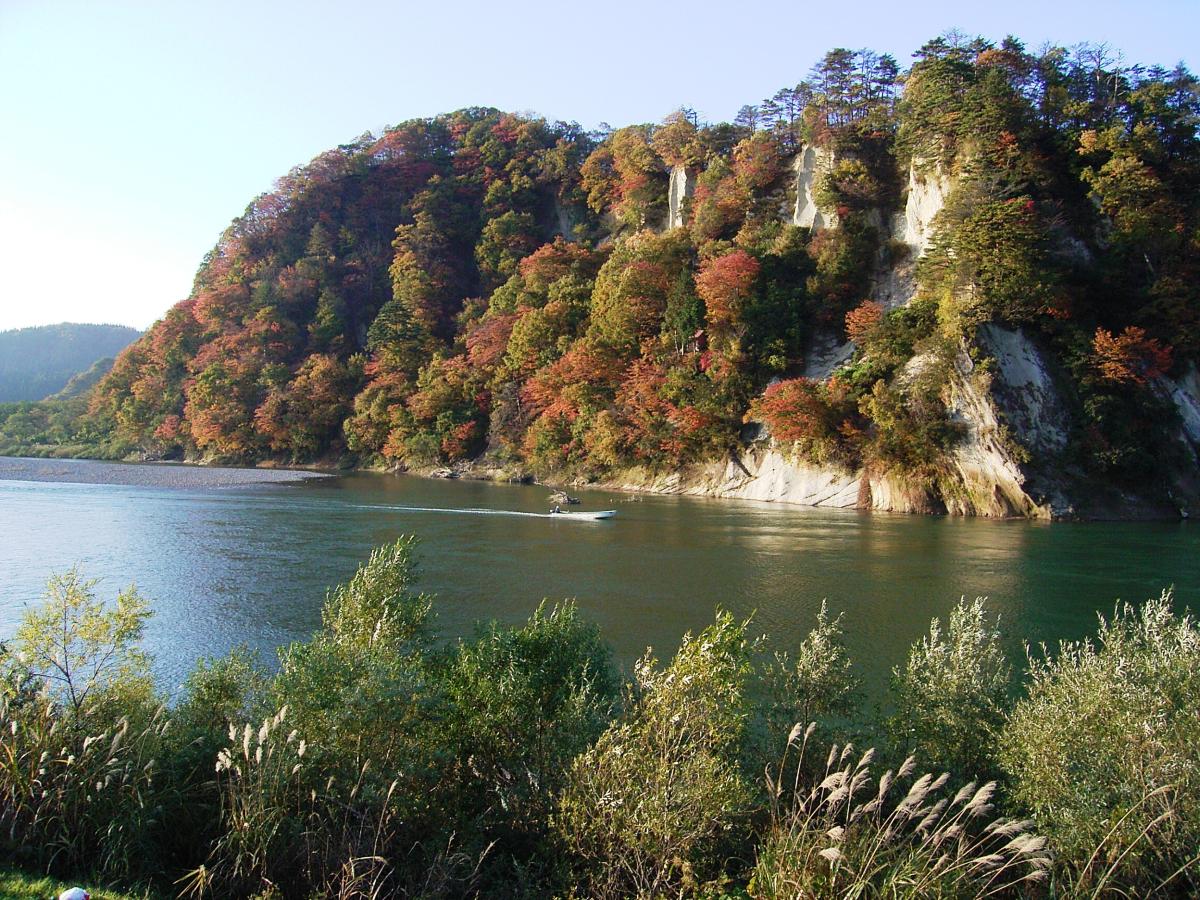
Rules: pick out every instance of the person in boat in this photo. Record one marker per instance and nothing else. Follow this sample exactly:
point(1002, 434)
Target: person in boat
point(556, 510)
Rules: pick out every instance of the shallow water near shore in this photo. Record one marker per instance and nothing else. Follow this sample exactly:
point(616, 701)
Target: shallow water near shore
point(232, 556)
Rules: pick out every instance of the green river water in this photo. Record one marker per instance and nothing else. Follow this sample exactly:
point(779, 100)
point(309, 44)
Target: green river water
point(233, 556)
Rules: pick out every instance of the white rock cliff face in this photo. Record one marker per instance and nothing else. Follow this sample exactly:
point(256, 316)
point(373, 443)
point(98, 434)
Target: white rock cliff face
point(990, 481)
point(1025, 389)
point(1185, 394)
point(928, 188)
point(984, 478)
point(768, 474)
point(811, 163)
point(682, 185)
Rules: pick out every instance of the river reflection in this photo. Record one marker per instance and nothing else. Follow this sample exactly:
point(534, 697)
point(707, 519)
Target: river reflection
point(231, 560)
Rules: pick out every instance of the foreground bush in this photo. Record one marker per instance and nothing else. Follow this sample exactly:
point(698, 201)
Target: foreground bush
point(83, 737)
point(380, 761)
point(526, 702)
point(655, 807)
point(1105, 751)
point(952, 694)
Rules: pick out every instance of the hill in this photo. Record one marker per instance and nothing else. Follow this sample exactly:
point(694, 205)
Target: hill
point(968, 286)
point(37, 362)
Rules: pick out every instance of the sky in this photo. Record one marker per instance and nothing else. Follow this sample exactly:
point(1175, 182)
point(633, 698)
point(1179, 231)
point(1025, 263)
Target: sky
point(131, 133)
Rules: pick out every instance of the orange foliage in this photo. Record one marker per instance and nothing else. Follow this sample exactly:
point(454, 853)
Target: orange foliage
point(818, 418)
point(550, 262)
point(724, 283)
point(488, 340)
point(757, 162)
point(1130, 357)
point(581, 364)
point(861, 320)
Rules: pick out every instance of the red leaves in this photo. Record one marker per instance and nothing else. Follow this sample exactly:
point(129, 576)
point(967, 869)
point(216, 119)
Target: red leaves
point(861, 320)
point(757, 162)
point(794, 410)
point(488, 341)
point(550, 262)
point(1130, 357)
point(819, 419)
point(724, 283)
point(580, 365)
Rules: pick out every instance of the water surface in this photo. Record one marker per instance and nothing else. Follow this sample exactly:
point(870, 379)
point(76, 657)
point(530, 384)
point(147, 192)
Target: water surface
point(231, 556)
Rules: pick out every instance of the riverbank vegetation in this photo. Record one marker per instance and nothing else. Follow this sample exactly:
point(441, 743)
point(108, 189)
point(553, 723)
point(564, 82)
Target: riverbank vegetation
point(483, 284)
point(380, 759)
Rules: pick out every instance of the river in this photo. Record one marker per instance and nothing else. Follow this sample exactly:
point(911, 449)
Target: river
point(233, 556)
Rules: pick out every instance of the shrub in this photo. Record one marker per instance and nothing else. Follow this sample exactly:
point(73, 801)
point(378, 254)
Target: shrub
point(525, 702)
point(1105, 750)
point(952, 693)
point(344, 773)
point(1130, 357)
point(660, 801)
point(863, 320)
point(818, 418)
point(911, 428)
point(815, 682)
point(222, 690)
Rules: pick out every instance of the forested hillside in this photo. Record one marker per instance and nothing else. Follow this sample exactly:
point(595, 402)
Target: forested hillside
point(986, 261)
point(37, 362)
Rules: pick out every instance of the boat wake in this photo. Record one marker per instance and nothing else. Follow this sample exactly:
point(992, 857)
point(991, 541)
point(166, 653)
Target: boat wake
point(475, 511)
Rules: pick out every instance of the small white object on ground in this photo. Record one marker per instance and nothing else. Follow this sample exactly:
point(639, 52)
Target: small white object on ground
point(75, 893)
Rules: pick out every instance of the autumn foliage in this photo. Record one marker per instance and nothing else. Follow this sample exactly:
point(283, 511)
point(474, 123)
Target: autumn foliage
point(724, 283)
point(861, 320)
point(489, 283)
point(817, 418)
point(1129, 357)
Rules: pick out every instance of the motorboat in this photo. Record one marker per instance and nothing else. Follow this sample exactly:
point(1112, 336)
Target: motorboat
point(580, 515)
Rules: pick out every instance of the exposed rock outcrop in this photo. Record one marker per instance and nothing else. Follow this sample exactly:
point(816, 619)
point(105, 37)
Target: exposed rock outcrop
point(770, 475)
point(682, 185)
point(987, 478)
point(566, 218)
point(811, 164)
point(1013, 406)
point(1025, 389)
point(928, 188)
point(826, 353)
point(1185, 394)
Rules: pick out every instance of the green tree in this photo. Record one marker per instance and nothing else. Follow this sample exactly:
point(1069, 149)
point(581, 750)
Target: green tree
point(80, 647)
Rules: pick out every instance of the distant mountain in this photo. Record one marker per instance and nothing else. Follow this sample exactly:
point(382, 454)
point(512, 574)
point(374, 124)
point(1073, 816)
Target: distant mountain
point(84, 381)
point(38, 362)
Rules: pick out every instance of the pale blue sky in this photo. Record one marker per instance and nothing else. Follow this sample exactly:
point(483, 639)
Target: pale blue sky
point(132, 132)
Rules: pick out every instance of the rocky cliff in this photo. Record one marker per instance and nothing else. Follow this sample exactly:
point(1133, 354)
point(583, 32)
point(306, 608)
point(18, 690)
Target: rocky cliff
point(1014, 422)
point(927, 277)
point(810, 165)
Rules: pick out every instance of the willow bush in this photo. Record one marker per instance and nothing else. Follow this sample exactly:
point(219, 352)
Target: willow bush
point(657, 805)
point(1105, 750)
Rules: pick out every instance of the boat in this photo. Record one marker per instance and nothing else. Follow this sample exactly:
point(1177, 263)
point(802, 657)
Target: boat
point(589, 516)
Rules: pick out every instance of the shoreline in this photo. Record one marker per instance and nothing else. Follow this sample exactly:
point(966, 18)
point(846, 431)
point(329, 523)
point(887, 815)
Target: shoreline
point(695, 480)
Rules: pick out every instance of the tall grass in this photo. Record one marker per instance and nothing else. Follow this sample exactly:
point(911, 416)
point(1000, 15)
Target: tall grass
point(850, 834)
point(72, 798)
